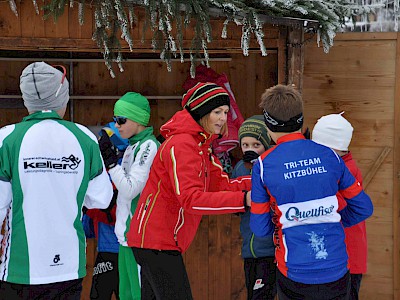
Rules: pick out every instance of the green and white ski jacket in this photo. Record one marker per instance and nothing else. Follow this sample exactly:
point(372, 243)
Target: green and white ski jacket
point(130, 178)
point(49, 169)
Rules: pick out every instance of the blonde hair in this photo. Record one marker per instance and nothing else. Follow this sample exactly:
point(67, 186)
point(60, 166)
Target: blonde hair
point(206, 124)
point(282, 102)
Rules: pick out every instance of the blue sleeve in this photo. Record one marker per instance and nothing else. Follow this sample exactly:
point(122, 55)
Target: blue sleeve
point(260, 217)
point(359, 205)
point(88, 227)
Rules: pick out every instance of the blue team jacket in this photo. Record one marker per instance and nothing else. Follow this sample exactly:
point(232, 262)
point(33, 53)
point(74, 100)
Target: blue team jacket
point(297, 180)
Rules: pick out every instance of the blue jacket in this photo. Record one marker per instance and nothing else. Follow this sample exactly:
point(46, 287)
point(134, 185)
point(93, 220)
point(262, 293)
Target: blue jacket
point(99, 226)
point(252, 246)
point(297, 180)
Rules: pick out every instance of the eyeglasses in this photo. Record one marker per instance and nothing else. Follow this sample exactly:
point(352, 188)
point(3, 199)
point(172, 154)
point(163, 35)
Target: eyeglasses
point(64, 71)
point(119, 120)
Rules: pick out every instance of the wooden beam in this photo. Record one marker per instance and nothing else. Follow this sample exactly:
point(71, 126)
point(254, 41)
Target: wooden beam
point(295, 49)
point(375, 167)
point(396, 178)
point(282, 57)
point(88, 45)
point(350, 36)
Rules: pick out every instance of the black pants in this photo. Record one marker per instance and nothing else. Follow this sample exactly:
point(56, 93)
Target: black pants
point(355, 285)
point(163, 275)
point(65, 290)
point(105, 279)
point(291, 290)
point(260, 276)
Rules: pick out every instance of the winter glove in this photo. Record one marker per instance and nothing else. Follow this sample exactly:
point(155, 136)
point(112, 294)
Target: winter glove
point(108, 151)
point(250, 156)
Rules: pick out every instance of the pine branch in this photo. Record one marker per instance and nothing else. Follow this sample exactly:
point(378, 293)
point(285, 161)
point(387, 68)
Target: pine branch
point(167, 19)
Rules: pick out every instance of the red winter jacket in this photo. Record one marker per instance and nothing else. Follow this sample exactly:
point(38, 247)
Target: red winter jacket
point(186, 181)
point(356, 236)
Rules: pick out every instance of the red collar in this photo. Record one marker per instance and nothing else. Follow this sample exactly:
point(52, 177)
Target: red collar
point(290, 137)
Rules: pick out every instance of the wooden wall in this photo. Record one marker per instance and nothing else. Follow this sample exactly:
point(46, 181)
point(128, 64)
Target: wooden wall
point(360, 76)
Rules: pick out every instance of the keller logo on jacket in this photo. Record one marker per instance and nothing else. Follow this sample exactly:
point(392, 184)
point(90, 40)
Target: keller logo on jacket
point(48, 164)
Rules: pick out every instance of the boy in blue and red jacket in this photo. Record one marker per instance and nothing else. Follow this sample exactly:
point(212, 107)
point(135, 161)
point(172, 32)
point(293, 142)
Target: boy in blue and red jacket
point(294, 187)
point(100, 224)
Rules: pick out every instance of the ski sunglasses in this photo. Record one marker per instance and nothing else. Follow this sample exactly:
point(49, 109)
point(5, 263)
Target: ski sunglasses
point(119, 120)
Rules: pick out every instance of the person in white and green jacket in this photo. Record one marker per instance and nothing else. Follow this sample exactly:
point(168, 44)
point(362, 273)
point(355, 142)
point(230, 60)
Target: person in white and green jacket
point(131, 114)
point(49, 169)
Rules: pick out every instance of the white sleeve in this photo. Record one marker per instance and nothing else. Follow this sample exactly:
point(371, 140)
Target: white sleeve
point(131, 184)
point(5, 199)
point(99, 192)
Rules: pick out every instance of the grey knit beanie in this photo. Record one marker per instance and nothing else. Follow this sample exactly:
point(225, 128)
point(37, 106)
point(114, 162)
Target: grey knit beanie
point(43, 87)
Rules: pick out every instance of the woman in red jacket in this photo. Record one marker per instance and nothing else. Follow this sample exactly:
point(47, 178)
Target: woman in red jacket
point(186, 181)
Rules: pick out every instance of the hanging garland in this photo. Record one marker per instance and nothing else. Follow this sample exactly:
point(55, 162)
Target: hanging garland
point(113, 17)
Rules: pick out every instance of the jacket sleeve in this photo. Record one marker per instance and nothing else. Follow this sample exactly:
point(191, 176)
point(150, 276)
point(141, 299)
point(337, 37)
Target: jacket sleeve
point(88, 227)
point(185, 166)
point(221, 182)
point(359, 205)
point(100, 190)
point(5, 174)
point(131, 184)
point(260, 217)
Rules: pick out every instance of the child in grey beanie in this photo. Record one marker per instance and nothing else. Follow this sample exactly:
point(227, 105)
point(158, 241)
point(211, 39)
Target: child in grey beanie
point(43, 87)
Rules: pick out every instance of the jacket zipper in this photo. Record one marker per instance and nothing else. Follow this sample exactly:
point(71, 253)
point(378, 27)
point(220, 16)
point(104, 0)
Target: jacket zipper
point(148, 200)
point(179, 224)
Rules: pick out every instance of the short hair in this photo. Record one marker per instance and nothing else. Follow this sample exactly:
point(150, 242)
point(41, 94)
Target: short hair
point(282, 102)
point(206, 124)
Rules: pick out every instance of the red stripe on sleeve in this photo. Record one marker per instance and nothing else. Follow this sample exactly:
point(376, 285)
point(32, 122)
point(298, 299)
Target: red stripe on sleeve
point(259, 208)
point(352, 190)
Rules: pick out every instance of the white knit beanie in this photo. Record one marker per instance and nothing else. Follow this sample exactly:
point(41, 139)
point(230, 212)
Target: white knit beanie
point(43, 87)
point(333, 131)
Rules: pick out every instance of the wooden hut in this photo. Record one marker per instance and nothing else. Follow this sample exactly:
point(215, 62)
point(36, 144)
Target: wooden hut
point(213, 260)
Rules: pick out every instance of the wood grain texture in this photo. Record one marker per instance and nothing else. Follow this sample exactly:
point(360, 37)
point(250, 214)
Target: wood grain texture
point(358, 76)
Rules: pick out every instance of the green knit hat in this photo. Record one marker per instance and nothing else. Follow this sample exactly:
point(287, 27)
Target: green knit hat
point(133, 106)
point(255, 127)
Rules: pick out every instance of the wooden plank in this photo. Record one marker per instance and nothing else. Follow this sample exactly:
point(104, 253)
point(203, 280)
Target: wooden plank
point(90, 260)
point(219, 249)
point(359, 76)
point(238, 287)
point(88, 45)
point(196, 261)
point(10, 24)
point(32, 24)
point(57, 28)
point(365, 36)
point(77, 31)
point(396, 176)
point(375, 167)
point(295, 57)
point(282, 57)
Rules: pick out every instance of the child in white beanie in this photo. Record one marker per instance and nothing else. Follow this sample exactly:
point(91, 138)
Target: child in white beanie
point(335, 132)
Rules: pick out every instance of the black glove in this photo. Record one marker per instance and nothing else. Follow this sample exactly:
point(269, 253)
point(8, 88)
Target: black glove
point(108, 151)
point(250, 156)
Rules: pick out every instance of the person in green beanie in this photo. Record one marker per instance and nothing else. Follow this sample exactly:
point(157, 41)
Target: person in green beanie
point(131, 115)
point(258, 253)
